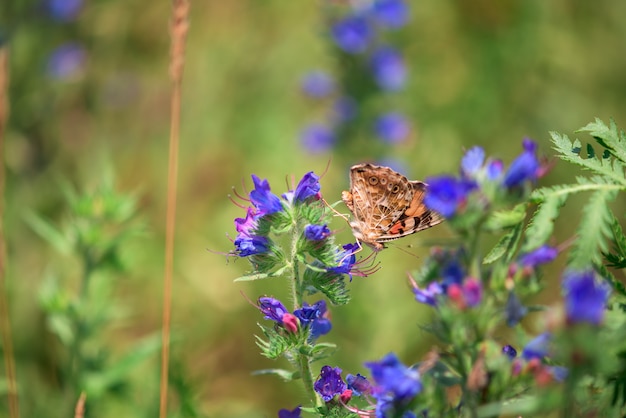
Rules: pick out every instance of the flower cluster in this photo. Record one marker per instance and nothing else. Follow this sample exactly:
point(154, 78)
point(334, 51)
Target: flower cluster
point(67, 61)
point(394, 387)
point(484, 179)
point(311, 318)
point(358, 33)
point(451, 280)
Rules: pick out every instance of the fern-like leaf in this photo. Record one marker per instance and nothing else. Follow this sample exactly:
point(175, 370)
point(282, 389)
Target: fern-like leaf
point(542, 223)
point(570, 151)
point(593, 231)
point(609, 137)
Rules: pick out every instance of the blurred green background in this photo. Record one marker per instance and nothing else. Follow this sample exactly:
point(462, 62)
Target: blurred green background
point(480, 73)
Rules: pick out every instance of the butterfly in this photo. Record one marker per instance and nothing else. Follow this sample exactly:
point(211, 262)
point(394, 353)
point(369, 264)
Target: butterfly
point(386, 205)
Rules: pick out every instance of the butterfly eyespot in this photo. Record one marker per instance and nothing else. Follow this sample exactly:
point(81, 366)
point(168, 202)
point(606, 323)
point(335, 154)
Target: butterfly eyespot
point(383, 181)
point(395, 188)
point(373, 180)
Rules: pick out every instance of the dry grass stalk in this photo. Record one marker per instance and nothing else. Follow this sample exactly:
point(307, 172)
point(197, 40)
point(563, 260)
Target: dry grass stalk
point(5, 324)
point(178, 27)
point(79, 411)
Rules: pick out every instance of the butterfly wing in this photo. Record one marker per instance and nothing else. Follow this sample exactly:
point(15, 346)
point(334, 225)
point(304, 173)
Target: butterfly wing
point(415, 217)
point(386, 205)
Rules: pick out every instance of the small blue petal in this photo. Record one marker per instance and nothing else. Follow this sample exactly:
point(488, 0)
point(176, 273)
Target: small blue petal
point(352, 34)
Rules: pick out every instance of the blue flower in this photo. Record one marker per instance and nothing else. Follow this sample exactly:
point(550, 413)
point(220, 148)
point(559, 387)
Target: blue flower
point(524, 168)
point(346, 260)
point(318, 84)
point(314, 316)
point(542, 255)
point(429, 295)
point(388, 68)
point(263, 199)
point(63, 10)
point(509, 351)
point(558, 372)
point(67, 62)
point(514, 311)
point(316, 232)
point(585, 297)
point(392, 127)
point(472, 161)
point(495, 168)
point(537, 347)
point(352, 34)
point(445, 194)
point(317, 138)
point(272, 309)
point(309, 186)
point(390, 13)
point(396, 384)
point(329, 383)
point(358, 384)
point(285, 413)
point(251, 245)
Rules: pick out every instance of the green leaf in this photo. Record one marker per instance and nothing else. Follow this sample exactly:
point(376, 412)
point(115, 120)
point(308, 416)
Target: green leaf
point(260, 276)
point(593, 230)
point(541, 225)
point(323, 350)
point(506, 245)
point(506, 218)
point(97, 383)
point(48, 232)
point(286, 375)
point(609, 137)
point(611, 170)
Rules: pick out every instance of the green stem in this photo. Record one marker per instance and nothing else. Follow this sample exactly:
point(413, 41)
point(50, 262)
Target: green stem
point(307, 379)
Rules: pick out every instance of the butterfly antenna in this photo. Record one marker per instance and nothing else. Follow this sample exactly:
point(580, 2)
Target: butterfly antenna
point(330, 160)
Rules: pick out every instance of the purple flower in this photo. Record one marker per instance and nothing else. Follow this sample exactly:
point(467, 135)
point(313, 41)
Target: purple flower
point(390, 13)
point(272, 309)
point(514, 311)
point(394, 379)
point(558, 372)
point(309, 186)
point(317, 138)
point(67, 62)
point(389, 69)
point(495, 168)
point(509, 351)
point(285, 413)
point(246, 226)
point(63, 10)
point(329, 383)
point(392, 127)
point(358, 384)
point(346, 260)
point(542, 255)
point(263, 199)
point(251, 245)
point(472, 292)
point(352, 34)
point(316, 232)
point(446, 194)
point(537, 347)
point(318, 84)
point(524, 168)
point(472, 161)
point(429, 295)
point(585, 297)
point(315, 317)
